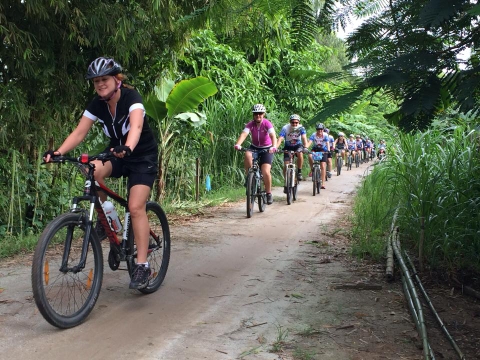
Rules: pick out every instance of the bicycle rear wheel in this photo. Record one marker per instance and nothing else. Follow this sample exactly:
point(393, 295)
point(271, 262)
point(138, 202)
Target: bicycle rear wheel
point(250, 194)
point(289, 186)
point(65, 297)
point(158, 255)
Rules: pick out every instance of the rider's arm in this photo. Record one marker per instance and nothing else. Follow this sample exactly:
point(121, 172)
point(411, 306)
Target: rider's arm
point(136, 126)
point(279, 141)
point(241, 138)
point(76, 136)
point(273, 136)
point(305, 141)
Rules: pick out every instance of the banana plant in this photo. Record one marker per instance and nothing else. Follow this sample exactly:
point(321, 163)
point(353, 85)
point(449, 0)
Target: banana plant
point(171, 105)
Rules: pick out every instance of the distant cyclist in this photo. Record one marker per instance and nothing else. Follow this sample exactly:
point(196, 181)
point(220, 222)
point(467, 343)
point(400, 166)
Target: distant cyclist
point(295, 138)
point(331, 140)
point(381, 149)
point(341, 144)
point(321, 143)
point(359, 146)
point(368, 147)
point(351, 144)
point(263, 137)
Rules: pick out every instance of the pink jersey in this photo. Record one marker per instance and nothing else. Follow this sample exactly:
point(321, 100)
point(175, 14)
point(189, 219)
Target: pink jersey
point(260, 134)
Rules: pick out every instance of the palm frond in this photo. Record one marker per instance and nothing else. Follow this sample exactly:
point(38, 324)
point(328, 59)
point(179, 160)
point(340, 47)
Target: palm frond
point(337, 106)
point(304, 25)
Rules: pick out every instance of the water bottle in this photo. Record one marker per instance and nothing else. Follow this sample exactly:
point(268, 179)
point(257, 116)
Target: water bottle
point(112, 216)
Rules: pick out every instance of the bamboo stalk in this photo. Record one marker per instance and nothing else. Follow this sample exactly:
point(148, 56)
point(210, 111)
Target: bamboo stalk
point(437, 317)
point(414, 311)
point(390, 263)
point(413, 292)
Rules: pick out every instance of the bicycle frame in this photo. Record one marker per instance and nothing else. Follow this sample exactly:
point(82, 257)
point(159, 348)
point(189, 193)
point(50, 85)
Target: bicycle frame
point(90, 194)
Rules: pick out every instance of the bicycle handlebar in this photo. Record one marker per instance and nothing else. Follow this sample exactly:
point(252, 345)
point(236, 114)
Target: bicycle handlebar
point(254, 150)
point(82, 159)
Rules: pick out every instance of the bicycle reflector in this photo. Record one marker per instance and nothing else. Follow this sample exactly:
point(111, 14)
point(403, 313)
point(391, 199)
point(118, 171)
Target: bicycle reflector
point(84, 158)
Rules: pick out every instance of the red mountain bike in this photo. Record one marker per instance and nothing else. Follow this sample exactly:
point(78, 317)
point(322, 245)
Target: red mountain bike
point(67, 269)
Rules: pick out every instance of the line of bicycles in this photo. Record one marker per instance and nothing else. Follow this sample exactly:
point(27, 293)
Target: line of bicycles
point(255, 189)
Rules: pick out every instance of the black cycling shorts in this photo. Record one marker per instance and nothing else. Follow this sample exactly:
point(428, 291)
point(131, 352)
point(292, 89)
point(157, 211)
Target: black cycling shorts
point(296, 148)
point(265, 157)
point(140, 170)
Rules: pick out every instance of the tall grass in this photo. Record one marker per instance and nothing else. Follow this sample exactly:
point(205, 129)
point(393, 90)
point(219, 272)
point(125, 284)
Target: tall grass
point(432, 177)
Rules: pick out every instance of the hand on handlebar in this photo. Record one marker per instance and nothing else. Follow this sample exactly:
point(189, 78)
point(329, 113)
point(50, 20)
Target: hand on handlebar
point(273, 150)
point(49, 154)
point(237, 147)
point(121, 151)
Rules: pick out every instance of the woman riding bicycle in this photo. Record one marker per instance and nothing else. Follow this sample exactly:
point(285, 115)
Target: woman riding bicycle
point(321, 143)
point(119, 110)
point(341, 144)
point(351, 144)
point(263, 137)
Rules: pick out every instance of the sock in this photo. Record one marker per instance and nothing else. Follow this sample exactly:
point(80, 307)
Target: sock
point(144, 264)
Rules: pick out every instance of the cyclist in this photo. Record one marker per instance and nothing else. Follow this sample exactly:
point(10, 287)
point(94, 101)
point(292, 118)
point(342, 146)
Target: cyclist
point(368, 147)
point(263, 137)
point(119, 110)
point(359, 146)
point(295, 137)
point(321, 143)
point(381, 148)
point(330, 153)
point(351, 144)
point(341, 144)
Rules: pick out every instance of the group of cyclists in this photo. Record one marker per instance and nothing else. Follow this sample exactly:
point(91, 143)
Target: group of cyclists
point(295, 136)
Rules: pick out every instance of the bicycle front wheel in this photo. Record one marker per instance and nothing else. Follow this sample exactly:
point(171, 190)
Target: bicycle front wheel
point(251, 187)
point(158, 255)
point(339, 165)
point(66, 295)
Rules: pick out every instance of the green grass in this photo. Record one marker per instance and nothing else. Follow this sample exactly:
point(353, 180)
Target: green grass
point(431, 176)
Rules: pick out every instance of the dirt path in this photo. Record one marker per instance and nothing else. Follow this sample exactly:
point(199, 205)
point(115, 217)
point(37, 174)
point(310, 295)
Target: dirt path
point(261, 288)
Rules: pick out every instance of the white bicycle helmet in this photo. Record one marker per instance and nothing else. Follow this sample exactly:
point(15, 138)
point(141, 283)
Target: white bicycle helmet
point(294, 117)
point(341, 134)
point(259, 108)
point(103, 66)
point(351, 135)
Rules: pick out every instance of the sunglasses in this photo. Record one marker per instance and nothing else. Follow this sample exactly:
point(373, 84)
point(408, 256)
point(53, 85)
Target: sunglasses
point(294, 122)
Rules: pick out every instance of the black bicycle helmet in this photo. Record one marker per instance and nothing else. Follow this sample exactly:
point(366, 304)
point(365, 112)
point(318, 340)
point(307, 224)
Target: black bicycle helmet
point(320, 126)
point(103, 66)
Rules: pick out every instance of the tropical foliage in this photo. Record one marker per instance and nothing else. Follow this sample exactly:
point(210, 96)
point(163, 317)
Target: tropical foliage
point(432, 178)
point(417, 51)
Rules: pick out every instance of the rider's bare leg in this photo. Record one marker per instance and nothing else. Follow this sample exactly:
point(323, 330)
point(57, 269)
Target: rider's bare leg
point(267, 177)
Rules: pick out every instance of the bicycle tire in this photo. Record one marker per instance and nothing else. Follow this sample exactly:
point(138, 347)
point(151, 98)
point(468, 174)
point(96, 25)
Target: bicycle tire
point(250, 194)
point(294, 189)
point(319, 181)
point(357, 160)
point(158, 256)
point(65, 299)
point(339, 166)
point(262, 196)
point(315, 178)
point(289, 186)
